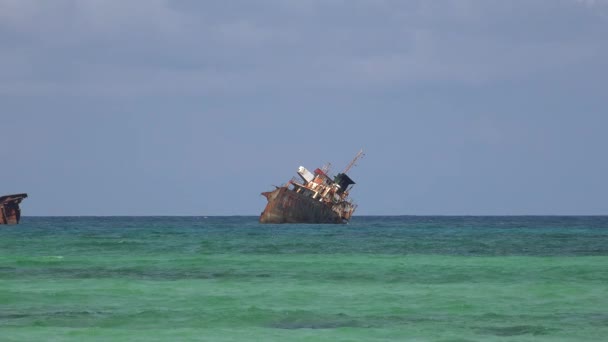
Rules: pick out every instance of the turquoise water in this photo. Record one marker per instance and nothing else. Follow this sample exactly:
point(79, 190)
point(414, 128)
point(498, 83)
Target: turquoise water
point(376, 279)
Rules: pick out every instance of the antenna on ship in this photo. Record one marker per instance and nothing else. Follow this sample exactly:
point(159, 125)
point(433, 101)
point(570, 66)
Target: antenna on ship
point(352, 163)
point(325, 168)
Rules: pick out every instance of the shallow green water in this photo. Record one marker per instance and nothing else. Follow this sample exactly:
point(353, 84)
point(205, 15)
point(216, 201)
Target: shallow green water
point(376, 279)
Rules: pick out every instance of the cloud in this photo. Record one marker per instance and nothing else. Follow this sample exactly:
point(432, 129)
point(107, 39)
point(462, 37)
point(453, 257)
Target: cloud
point(160, 46)
point(593, 3)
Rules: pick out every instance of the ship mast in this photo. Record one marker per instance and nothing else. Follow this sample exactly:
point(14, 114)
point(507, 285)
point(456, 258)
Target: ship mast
point(352, 163)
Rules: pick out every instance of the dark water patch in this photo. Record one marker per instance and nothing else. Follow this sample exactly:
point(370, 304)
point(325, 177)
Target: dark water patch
point(562, 319)
point(317, 324)
point(130, 273)
point(73, 318)
point(174, 317)
point(318, 320)
point(326, 272)
point(516, 330)
point(314, 320)
point(599, 319)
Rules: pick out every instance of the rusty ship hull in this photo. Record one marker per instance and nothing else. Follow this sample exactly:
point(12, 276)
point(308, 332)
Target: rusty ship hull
point(312, 197)
point(287, 206)
point(10, 213)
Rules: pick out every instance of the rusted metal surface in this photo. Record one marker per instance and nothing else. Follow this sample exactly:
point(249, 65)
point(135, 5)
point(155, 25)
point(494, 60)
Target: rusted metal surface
point(287, 206)
point(320, 199)
point(10, 213)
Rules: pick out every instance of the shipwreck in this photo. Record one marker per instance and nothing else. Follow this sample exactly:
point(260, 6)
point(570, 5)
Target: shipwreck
point(312, 197)
point(10, 213)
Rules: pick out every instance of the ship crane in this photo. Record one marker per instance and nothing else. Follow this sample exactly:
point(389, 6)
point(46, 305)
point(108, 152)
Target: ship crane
point(352, 163)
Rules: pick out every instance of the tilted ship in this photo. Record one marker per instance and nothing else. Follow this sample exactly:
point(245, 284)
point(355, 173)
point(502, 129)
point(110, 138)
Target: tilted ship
point(313, 197)
point(10, 213)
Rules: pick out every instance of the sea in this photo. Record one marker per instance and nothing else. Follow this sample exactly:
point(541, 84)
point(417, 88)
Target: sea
point(378, 278)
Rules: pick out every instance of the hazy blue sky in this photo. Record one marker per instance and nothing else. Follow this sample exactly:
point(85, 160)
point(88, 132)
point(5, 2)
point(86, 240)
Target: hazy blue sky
point(152, 107)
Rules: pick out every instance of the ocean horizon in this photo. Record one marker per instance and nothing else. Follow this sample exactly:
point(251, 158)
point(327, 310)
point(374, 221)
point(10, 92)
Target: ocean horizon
point(378, 278)
point(354, 217)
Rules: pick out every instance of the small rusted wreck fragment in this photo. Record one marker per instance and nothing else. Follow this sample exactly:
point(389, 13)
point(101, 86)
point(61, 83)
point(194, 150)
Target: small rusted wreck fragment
point(314, 197)
point(10, 213)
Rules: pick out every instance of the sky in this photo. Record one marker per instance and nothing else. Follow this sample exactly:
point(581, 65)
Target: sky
point(186, 107)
